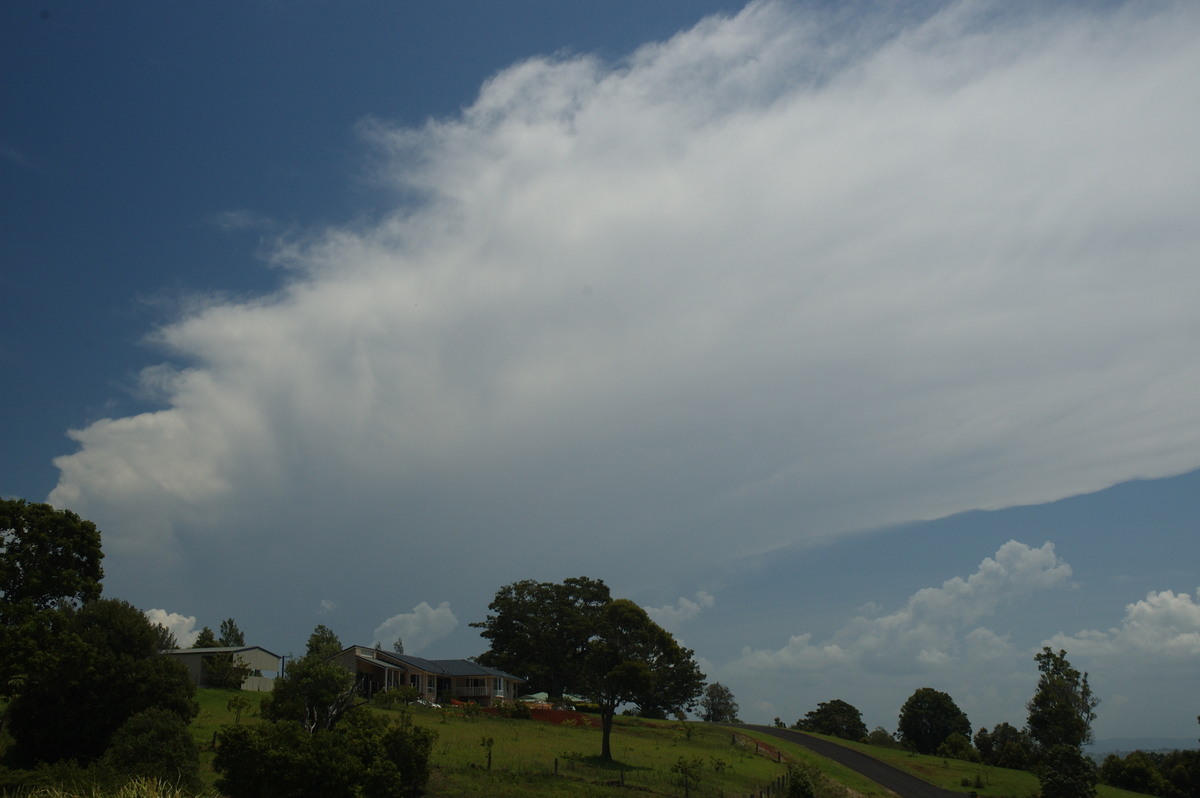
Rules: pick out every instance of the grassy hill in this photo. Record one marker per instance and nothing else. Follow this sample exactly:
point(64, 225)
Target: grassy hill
point(488, 755)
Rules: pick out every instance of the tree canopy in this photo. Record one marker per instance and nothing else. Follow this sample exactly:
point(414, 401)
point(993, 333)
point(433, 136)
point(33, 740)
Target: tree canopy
point(717, 704)
point(48, 558)
point(540, 630)
point(631, 659)
point(1062, 708)
point(928, 717)
point(834, 717)
point(66, 710)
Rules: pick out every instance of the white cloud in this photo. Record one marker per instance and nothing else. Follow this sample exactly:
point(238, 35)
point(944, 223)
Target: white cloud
point(1164, 626)
point(327, 606)
point(935, 628)
point(672, 617)
point(417, 629)
point(182, 626)
point(777, 278)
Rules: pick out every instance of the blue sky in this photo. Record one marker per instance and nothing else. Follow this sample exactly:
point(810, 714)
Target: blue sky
point(861, 347)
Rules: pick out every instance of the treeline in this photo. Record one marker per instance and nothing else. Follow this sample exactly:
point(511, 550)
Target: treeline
point(1050, 744)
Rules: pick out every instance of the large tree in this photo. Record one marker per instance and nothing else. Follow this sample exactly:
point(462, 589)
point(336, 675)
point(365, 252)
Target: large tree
point(540, 630)
point(102, 669)
point(1062, 708)
point(1060, 722)
point(631, 659)
point(834, 717)
point(717, 704)
point(928, 717)
point(49, 558)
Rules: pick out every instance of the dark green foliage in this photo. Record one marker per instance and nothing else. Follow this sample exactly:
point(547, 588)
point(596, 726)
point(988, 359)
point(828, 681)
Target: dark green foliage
point(48, 558)
point(323, 643)
point(835, 717)
point(362, 755)
point(103, 668)
point(957, 746)
point(314, 692)
point(1169, 775)
point(231, 635)
point(1005, 747)
point(928, 717)
point(1062, 708)
point(717, 704)
point(631, 659)
point(157, 744)
point(802, 781)
point(206, 639)
point(540, 630)
point(880, 738)
point(1064, 772)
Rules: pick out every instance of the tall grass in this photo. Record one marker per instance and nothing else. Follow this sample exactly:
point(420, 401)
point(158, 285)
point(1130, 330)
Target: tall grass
point(138, 788)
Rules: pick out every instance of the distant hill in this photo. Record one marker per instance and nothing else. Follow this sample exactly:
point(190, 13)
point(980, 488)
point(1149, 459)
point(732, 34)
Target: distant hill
point(1124, 745)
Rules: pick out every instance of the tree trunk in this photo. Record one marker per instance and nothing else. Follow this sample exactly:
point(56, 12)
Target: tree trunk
point(606, 724)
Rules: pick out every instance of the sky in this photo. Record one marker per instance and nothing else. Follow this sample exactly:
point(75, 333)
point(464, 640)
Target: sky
point(856, 342)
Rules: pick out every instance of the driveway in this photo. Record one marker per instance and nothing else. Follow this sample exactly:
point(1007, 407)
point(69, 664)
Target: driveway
point(899, 782)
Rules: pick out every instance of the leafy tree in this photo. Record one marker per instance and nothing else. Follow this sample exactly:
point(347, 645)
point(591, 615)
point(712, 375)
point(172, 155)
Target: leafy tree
point(398, 646)
point(1064, 772)
point(834, 717)
point(1005, 747)
point(956, 746)
point(48, 558)
point(928, 717)
point(223, 669)
point(206, 639)
point(156, 744)
point(231, 635)
point(1062, 708)
point(540, 630)
point(102, 669)
point(314, 693)
point(632, 659)
point(323, 643)
point(717, 704)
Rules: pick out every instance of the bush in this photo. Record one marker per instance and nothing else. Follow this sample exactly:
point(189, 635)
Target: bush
point(155, 744)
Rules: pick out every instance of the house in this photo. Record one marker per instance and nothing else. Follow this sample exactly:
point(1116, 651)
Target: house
point(264, 665)
point(436, 680)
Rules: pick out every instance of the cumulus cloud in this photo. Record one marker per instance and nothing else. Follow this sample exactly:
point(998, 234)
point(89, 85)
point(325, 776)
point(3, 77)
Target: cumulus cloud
point(672, 617)
point(933, 629)
point(783, 275)
point(1164, 626)
point(419, 628)
point(182, 626)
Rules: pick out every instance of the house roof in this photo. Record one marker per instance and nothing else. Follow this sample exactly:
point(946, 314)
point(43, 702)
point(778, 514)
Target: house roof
point(441, 667)
point(220, 650)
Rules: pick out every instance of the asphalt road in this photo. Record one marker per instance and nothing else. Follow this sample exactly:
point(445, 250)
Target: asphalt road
point(899, 782)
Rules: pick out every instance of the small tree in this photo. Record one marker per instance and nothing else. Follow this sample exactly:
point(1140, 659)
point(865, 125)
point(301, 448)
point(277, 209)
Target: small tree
point(717, 704)
point(398, 646)
point(1064, 772)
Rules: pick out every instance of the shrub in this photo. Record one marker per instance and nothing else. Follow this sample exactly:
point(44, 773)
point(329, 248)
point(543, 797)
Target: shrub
point(155, 744)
